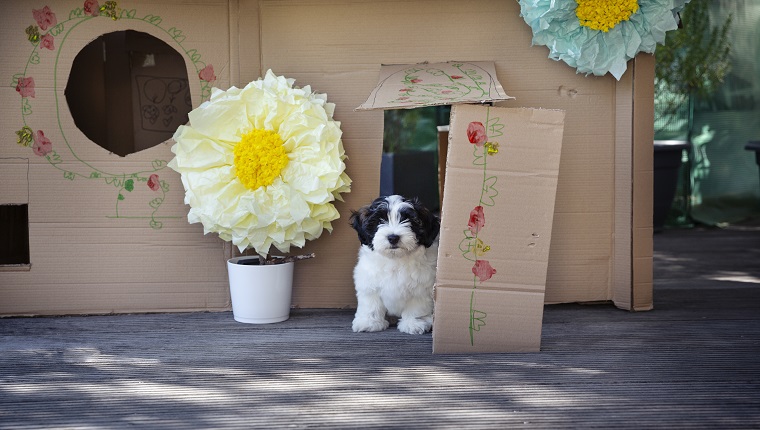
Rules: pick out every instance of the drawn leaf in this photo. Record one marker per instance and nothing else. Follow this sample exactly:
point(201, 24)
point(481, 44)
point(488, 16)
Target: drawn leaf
point(156, 203)
point(55, 31)
point(153, 19)
point(489, 191)
point(26, 108)
point(477, 319)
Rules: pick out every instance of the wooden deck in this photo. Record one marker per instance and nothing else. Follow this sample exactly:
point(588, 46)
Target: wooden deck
point(693, 362)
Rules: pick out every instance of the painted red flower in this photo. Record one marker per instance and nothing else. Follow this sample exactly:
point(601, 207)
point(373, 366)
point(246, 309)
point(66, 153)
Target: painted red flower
point(456, 77)
point(446, 92)
point(47, 42)
point(25, 87)
point(207, 73)
point(483, 270)
point(477, 219)
point(45, 18)
point(91, 7)
point(153, 182)
point(403, 90)
point(476, 133)
point(416, 81)
point(42, 145)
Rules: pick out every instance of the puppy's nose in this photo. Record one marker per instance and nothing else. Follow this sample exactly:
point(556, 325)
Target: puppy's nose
point(393, 239)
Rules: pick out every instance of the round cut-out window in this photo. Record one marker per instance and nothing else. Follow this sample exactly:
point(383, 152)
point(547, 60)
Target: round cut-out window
point(128, 91)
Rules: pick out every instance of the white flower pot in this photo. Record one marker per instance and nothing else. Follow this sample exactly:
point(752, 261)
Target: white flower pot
point(260, 294)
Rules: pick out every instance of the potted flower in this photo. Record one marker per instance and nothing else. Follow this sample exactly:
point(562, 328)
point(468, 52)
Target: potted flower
point(261, 167)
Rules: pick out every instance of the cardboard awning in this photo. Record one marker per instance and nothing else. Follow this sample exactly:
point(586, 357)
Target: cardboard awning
point(406, 86)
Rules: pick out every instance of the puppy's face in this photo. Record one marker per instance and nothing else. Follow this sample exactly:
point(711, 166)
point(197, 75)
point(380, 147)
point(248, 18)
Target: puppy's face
point(395, 226)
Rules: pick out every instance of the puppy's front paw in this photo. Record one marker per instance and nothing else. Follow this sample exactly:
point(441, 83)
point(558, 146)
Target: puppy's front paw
point(368, 324)
point(415, 325)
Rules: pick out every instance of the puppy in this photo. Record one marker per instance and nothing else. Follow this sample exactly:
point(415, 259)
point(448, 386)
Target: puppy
point(395, 272)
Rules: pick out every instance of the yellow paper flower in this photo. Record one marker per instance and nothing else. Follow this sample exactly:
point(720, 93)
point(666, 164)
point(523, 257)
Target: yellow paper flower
point(262, 165)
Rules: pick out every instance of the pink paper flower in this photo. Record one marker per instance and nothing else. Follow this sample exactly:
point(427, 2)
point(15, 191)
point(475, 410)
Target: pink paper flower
point(42, 145)
point(25, 87)
point(45, 18)
point(207, 73)
point(476, 133)
point(153, 182)
point(92, 7)
point(483, 270)
point(477, 219)
point(47, 42)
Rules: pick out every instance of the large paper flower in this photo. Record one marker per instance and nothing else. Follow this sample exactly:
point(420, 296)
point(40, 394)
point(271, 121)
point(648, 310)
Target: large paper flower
point(600, 36)
point(262, 165)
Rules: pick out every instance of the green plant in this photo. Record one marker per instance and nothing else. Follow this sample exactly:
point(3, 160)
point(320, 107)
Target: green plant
point(412, 129)
point(691, 64)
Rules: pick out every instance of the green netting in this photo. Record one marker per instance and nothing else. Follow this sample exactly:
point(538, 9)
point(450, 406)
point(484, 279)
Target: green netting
point(724, 181)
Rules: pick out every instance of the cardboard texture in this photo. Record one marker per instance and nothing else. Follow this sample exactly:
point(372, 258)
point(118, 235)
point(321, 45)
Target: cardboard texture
point(88, 258)
point(406, 86)
point(496, 228)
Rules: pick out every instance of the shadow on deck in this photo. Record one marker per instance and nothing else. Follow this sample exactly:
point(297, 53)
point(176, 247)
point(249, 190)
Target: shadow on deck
point(692, 362)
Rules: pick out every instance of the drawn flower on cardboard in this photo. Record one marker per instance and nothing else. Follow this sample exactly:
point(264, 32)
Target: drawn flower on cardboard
point(91, 7)
point(25, 86)
point(47, 41)
point(481, 248)
point(45, 18)
point(600, 36)
point(25, 136)
point(262, 165)
point(476, 133)
point(207, 73)
point(477, 219)
point(153, 182)
point(42, 145)
point(483, 270)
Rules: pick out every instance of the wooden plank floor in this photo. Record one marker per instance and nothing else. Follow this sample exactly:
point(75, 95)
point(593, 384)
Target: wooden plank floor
point(693, 362)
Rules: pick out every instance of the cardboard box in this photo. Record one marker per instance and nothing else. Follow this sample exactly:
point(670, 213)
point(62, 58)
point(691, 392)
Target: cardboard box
point(86, 258)
point(496, 228)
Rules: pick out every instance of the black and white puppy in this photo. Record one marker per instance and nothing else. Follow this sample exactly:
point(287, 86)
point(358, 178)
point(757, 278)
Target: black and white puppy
point(397, 262)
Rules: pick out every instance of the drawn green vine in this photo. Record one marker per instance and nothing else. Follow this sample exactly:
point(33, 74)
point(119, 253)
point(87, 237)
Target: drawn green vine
point(51, 35)
point(429, 85)
point(472, 246)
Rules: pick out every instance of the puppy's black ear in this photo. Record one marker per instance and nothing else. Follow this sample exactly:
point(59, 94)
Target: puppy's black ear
point(358, 221)
point(431, 225)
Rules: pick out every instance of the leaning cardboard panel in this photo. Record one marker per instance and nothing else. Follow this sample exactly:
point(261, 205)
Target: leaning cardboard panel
point(496, 228)
point(105, 235)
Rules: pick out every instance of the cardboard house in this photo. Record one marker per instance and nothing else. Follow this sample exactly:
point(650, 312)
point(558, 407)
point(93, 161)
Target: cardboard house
point(98, 233)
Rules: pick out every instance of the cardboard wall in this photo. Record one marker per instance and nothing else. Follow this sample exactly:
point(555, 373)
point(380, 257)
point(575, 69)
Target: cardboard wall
point(344, 62)
point(92, 252)
point(84, 260)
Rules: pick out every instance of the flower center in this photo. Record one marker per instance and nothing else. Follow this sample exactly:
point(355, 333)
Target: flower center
point(259, 158)
point(604, 14)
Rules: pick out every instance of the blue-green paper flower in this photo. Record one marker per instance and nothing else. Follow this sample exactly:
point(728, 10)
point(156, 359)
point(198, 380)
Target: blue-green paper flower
point(556, 26)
